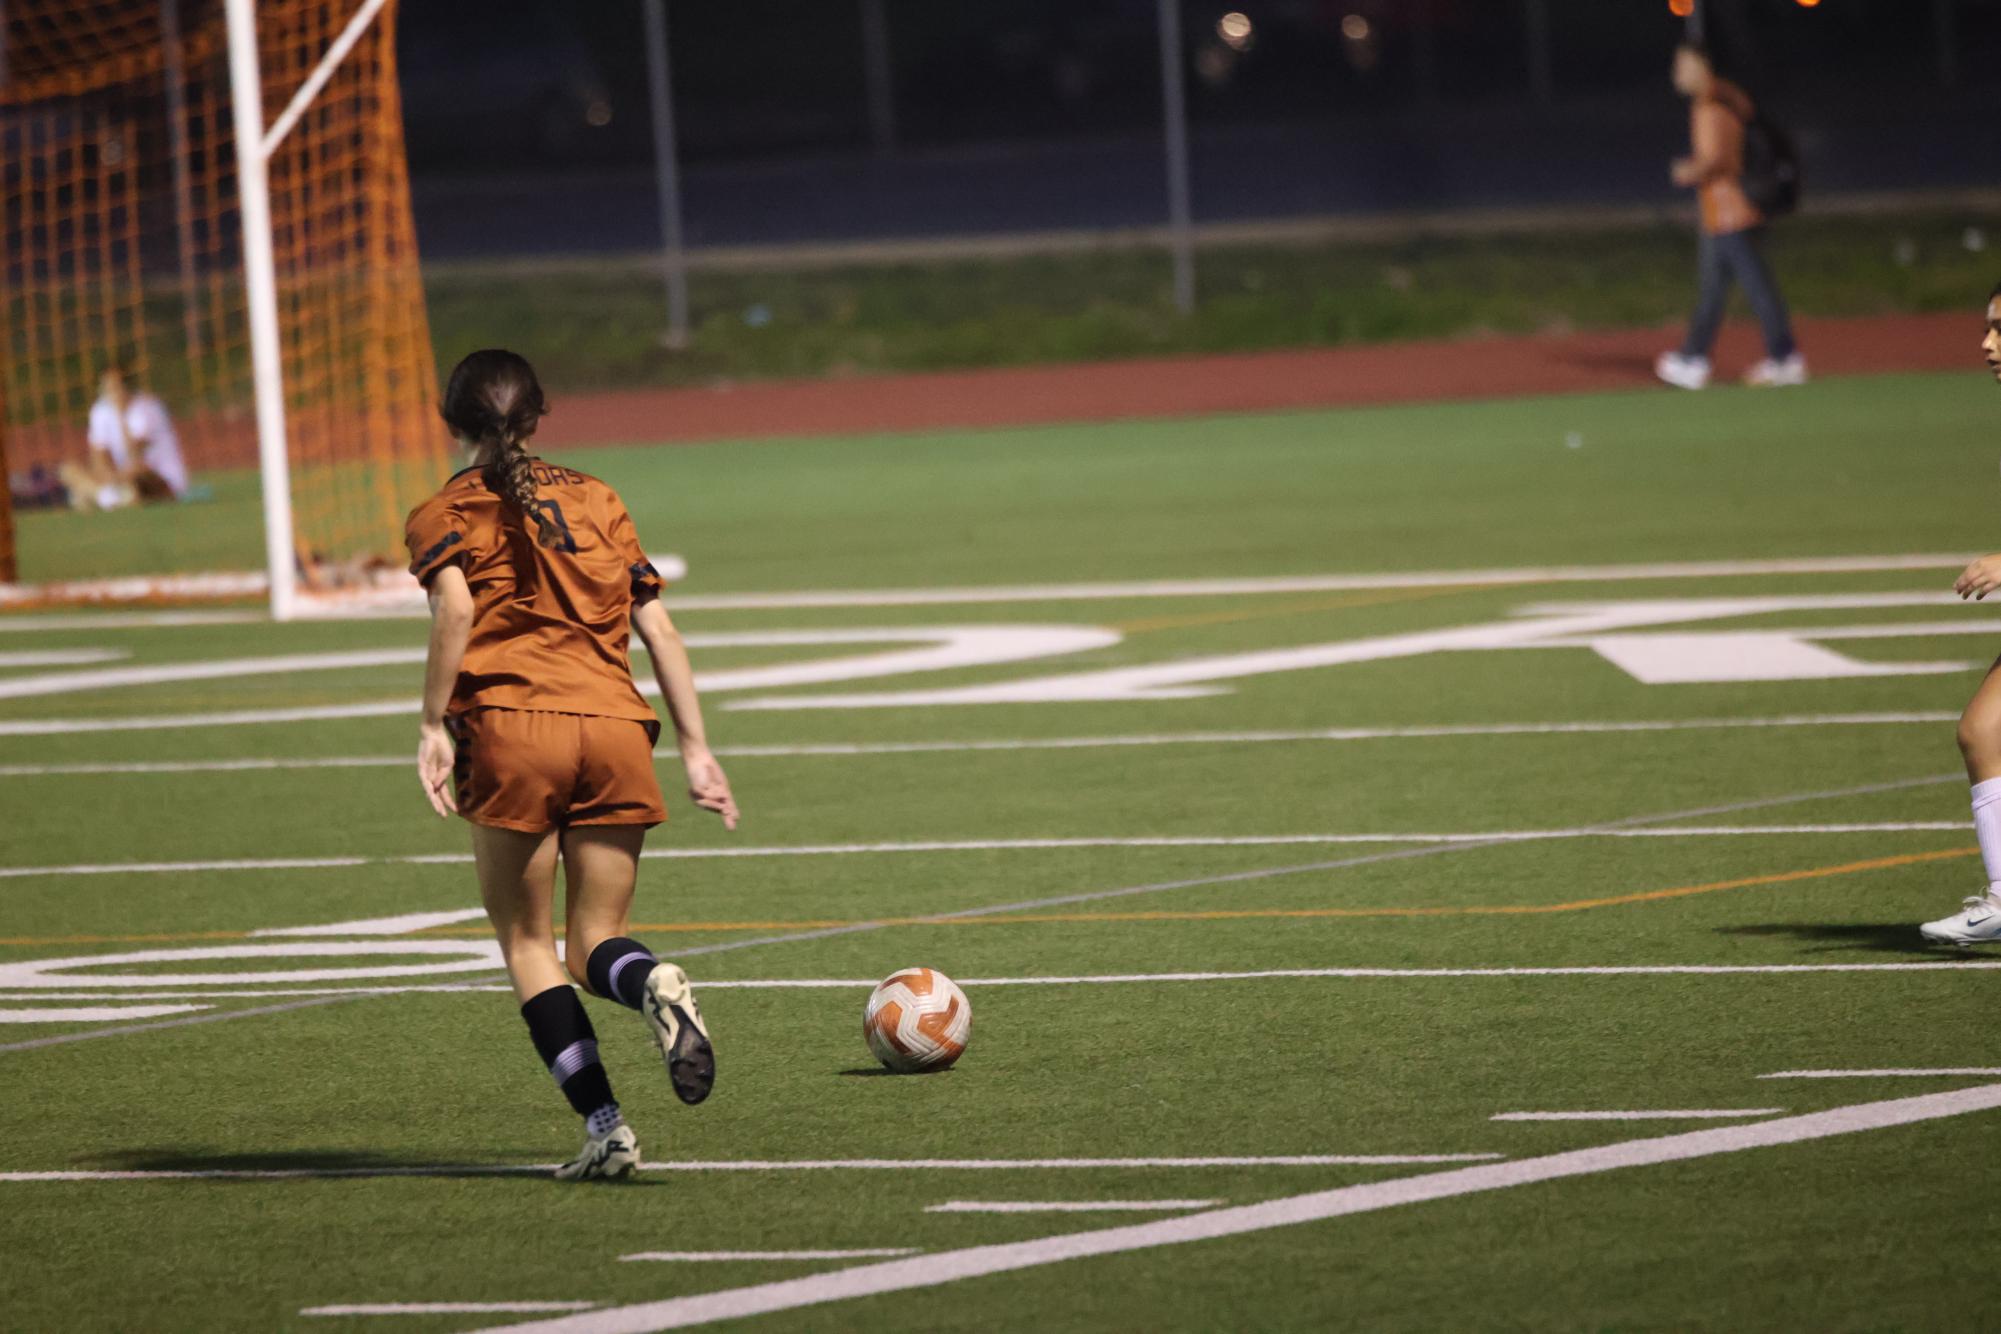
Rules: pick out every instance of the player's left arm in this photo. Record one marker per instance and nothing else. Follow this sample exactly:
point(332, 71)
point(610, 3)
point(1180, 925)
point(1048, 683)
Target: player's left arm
point(451, 627)
point(708, 785)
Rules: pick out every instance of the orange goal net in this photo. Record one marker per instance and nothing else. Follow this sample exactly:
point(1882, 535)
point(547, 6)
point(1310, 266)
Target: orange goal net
point(122, 246)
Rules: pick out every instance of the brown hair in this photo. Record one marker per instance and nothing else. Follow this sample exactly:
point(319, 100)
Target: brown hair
point(493, 399)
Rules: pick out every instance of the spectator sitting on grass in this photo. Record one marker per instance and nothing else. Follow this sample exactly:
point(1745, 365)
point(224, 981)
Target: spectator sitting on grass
point(134, 453)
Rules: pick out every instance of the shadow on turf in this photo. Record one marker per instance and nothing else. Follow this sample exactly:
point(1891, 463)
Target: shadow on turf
point(345, 1162)
point(1876, 937)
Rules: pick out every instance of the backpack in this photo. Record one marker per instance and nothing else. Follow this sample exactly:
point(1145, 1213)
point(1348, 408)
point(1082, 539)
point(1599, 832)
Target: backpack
point(1771, 176)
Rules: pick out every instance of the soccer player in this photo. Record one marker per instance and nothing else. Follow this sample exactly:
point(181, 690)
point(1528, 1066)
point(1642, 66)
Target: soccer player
point(1980, 734)
point(534, 732)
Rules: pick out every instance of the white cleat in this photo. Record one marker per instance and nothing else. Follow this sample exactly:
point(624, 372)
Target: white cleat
point(1979, 923)
point(604, 1157)
point(1682, 371)
point(679, 1033)
point(1771, 374)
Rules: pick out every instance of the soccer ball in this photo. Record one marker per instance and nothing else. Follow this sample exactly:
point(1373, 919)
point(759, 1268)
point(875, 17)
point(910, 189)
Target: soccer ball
point(917, 1020)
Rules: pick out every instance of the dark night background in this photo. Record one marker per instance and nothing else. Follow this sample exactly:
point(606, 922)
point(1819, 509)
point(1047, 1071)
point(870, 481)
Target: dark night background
point(528, 122)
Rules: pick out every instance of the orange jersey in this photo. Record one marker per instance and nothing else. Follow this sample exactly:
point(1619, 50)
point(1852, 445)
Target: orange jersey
point(550, 625)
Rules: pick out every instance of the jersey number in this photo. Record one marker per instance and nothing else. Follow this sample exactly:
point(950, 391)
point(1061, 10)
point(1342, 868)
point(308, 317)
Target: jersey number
point(567, 542)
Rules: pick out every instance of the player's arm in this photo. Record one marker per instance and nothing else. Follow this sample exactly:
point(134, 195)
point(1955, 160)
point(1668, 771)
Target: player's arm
point(707, 783)
point(1979, 579)
point(451, 626)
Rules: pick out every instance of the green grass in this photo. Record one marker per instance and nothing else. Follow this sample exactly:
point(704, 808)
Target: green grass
point(1840, 1233)
point(1656, 476)
point(600, 327)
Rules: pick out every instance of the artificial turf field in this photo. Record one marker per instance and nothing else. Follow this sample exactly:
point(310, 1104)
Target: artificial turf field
point(1358, 779)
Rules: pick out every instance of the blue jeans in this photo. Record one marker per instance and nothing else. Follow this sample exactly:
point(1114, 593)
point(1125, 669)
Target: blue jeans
point(1738, 256)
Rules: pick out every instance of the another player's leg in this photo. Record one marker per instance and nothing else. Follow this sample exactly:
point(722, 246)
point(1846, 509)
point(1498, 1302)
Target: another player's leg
point(517, 880)
point(1979, 921)
point(601, 863)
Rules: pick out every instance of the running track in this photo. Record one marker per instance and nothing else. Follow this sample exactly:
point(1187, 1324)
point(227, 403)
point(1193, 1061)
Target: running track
point(1470, 368)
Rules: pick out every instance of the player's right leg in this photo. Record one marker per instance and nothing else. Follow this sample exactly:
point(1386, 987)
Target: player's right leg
point(601, 864)
point(1979, 920)
point(517, 880)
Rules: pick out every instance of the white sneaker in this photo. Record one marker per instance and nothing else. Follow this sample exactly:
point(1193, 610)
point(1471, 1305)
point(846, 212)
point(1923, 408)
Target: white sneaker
point(1682, 371)
point(1770, 374)
point(679, 1033)
point(608, 1156)
point(1978, 924)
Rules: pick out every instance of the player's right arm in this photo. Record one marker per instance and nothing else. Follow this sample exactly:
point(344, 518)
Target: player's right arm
point(1979, 579)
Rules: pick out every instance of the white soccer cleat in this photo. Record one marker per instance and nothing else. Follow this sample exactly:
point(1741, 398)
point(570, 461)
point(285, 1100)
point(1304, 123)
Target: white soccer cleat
point(1979, 923)
point(606, 1157)
point(1770, 374)
point(1682, 371)
point(679, 1033)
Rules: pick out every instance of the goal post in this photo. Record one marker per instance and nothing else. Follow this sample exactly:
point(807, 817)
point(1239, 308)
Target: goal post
point(213, 196)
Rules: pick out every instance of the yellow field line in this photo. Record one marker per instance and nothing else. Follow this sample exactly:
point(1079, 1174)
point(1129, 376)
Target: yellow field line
point(1157, 915)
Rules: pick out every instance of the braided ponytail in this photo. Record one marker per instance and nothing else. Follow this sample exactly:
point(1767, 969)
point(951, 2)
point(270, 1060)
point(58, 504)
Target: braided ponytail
point(494, 400)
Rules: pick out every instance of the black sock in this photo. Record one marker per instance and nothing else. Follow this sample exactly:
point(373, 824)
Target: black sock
point(568, 1045)
point(618, 969)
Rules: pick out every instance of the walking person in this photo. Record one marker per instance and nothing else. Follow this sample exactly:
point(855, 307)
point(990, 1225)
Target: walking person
point(1732, 235)
point(533, 731)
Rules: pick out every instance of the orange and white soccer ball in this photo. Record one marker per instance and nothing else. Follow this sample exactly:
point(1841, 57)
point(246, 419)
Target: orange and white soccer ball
point(917, 1020)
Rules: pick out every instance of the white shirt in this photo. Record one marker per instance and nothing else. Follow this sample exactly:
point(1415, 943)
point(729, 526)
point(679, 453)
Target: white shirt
point(146, 420)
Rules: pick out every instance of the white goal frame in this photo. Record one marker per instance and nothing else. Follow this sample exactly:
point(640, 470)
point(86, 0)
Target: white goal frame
point(254, 146)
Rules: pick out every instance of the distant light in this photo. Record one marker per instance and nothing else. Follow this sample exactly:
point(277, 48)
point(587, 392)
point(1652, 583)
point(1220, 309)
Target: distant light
point(1235, 30)
point(1355, 28)
point(598, 112)
point(1808, 4)
point(1681, 8)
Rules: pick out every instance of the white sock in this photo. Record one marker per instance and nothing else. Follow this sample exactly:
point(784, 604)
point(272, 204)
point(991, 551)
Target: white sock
point(1987, 827)
point(607, 1119)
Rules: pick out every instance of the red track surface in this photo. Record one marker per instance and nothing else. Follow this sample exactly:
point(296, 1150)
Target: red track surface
point(1181, 386)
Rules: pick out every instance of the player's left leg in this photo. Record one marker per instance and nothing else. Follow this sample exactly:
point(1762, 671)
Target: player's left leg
point(517, 880)
point(601, 865)
point(1980, 745)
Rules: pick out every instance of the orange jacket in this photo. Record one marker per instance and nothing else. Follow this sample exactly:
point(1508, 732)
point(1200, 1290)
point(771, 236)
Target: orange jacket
point(1716, 137)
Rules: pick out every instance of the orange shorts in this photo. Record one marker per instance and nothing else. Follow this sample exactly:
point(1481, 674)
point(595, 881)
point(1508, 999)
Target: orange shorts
point(532, 771)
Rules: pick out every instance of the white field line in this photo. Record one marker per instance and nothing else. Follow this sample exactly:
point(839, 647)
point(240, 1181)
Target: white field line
point(1323, 583)
point(446, 1308)
point(95, 1014)
point(699, 1257)
point(1702, 1114)
point(379, 926)
point(127, 620)
point(121, 1030)
point(1478, 837)
point(124, 986)
point(1066, 1206)
point(847, 749)
point(939, 1268)
point(758, 1165)
point(1074, 592)
point(1935, 1072)
point(60, 657)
